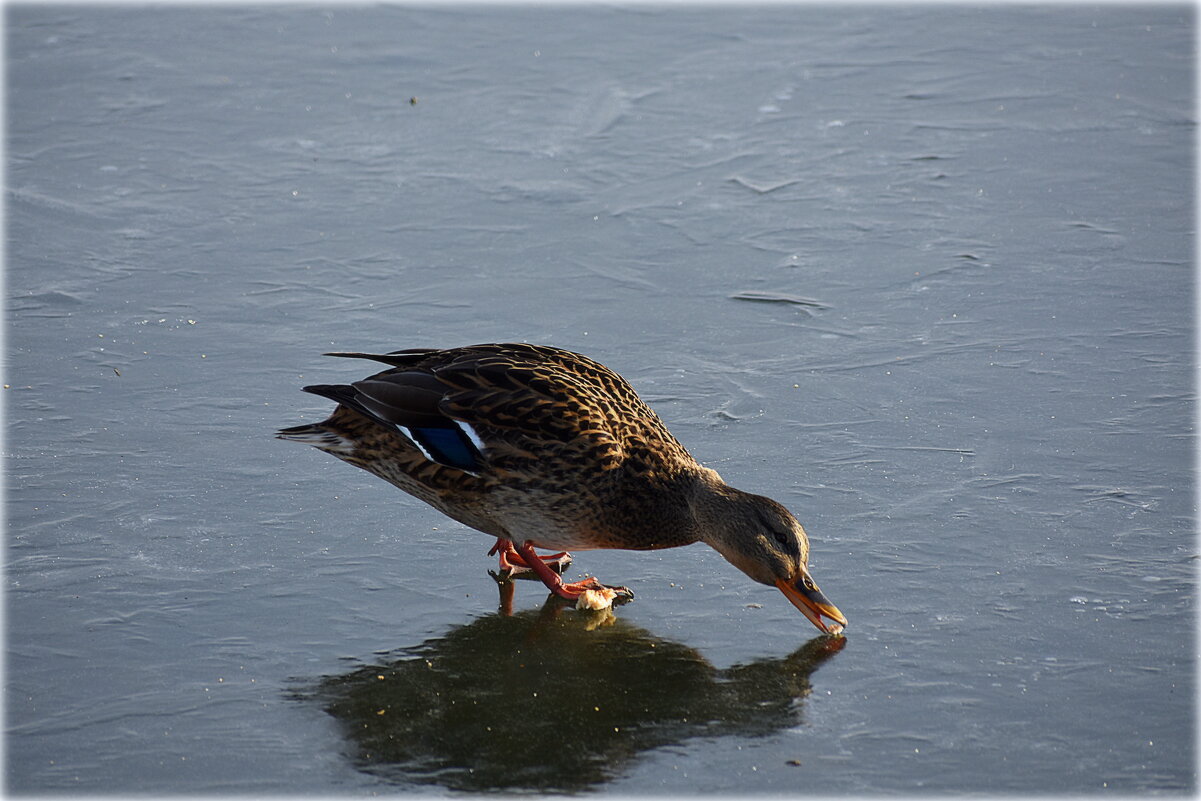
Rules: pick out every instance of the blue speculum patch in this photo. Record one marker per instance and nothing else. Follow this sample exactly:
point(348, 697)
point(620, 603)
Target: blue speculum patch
point(448, 446)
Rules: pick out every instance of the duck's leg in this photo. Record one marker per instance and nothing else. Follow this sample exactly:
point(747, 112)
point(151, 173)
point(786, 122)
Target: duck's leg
point(512, 563)
point(555, 583)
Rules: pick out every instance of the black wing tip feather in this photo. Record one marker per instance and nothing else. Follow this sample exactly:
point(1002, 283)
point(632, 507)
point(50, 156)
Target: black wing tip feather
point(410, 356)
point(347, 396)
point(396, 358)
point(340, 393)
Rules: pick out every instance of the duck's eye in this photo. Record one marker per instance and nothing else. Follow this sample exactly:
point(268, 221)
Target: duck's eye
point(782, 536)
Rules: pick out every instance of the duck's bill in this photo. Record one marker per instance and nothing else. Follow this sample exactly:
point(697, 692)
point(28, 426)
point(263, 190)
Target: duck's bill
point(813, 604)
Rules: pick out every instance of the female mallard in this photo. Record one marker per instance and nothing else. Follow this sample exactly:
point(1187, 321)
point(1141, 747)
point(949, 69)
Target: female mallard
point(543, 448)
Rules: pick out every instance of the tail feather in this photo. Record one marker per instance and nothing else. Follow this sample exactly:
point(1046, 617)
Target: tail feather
point(320, 437)
point(323, 435)
point(317, 435)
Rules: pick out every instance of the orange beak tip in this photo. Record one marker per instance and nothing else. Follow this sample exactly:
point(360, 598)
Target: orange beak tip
point(814, 606)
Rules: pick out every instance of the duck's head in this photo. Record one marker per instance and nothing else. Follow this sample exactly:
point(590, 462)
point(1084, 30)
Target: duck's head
point(762, 539)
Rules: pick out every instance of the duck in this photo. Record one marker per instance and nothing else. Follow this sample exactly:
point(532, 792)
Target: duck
point(546, 449)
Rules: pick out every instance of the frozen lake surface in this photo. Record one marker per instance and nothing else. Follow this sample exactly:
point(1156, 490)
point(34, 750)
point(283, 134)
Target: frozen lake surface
point(922, 274)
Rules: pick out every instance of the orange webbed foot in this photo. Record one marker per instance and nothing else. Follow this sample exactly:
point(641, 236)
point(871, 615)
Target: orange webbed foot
point(514, 565)
point(588, 593)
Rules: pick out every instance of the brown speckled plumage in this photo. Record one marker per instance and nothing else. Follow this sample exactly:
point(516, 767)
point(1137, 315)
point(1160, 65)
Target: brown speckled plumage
point(544, 447)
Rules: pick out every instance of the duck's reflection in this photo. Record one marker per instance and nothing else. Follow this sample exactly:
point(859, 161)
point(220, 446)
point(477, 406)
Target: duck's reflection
point(552, 700)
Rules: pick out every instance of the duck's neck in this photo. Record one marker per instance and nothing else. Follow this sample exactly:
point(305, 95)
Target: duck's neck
point(665, 511)
point(715, 510)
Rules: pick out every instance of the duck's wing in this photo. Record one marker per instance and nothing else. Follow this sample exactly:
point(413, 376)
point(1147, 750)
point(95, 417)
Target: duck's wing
point(410, 408)
point(512, 408)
